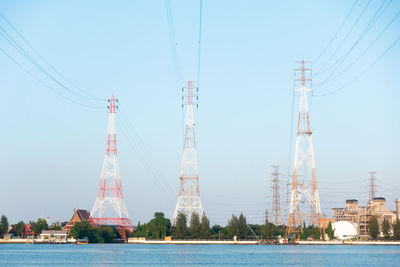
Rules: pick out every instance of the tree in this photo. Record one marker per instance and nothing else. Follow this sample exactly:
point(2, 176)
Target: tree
point(3, 225)
point(266, 230)
point(315, 233)
point(80, 230)
point(205, 227)
point(195, 226)
point(374, 227)
point(39, 226)
point(180, 226)
point(18, 229)
point(396, 230)
point(330, 232)
point(107, 234)
point(233, 226)
point(243, 228)
point(386, 228)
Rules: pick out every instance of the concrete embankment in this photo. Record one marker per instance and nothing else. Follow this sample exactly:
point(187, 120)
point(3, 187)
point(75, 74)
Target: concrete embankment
point(347, 242)
point(194, 242)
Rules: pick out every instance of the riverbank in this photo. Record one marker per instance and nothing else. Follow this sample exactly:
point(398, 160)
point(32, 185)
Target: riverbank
point(193, 242)
point(347, 242)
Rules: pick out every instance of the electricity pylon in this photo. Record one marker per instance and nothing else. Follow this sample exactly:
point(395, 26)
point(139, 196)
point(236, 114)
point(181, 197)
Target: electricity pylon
point(110, 188)
point(304, 161)
point(276, 198)
point(189, 192)
point(372, 191)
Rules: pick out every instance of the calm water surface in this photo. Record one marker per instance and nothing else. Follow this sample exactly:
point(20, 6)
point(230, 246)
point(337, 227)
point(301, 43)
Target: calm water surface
point(196, 255)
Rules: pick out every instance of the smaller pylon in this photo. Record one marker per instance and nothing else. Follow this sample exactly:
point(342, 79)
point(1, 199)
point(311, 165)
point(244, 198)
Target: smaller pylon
point(276, 197)
point(372, 191)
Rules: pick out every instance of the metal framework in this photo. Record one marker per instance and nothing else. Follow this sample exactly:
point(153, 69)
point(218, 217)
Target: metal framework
point(189, 193)
point(372, 191)
point(304, 161)
point(110, 188)
point(276, 197)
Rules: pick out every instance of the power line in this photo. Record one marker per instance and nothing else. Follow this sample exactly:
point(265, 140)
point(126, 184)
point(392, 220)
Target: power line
point(199, 53)
point(46, 62)
point(337, 32)
point(365, 50)
point(44, 84)
point(343, 41)
point(343, 58)
point(363, 72)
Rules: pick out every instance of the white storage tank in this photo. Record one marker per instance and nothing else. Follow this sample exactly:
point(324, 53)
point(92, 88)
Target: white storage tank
point(344, 229)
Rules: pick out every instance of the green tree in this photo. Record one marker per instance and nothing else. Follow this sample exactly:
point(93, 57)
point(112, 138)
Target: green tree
point(330, 232)
point(267, 230)
point(233, 227)
point(315, 233)
point(3, 225)
point(181, 226)
point(374, 227)
point(81, 230)
point(39, 226)
point(386, 228)
point(195, 226)
point(158, 227)
point(107, 234)
point(243, 228)
point(205, 227)
point(396, 230)
point(18, 229)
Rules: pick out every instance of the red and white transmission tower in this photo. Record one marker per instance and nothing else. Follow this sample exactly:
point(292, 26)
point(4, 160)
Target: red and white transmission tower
point(189, 193)
point(110, 188)
point(304, 161)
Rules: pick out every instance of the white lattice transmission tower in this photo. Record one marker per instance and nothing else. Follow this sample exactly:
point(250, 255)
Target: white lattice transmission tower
point(276, 214)
point(110, 188)
point(304, 177)
point(189, 192)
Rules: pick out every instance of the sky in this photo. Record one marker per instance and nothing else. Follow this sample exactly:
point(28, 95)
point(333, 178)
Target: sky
point(53, 149)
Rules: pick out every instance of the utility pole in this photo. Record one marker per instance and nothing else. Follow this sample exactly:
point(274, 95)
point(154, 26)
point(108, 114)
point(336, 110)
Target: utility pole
point(372, 191)
point(110, 188)
point(276, 197)
point(304, 161)
point(189, 192)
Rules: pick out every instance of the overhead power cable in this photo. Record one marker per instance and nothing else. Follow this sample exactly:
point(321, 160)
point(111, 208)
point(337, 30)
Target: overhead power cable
point(199, 52)
point(344, 39)
point(46, 85)
point(337, 32)
point(365, 50)
point(363, 72)
point(173, 44)
point(343, 58)
point(86, 94)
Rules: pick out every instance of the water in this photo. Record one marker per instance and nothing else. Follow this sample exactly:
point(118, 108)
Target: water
point(196, 255)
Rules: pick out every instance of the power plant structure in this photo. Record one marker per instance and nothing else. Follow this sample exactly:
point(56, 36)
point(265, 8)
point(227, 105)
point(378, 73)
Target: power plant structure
point(189, 192)
point(110, 188)
point(304, 178)
point(276, 213)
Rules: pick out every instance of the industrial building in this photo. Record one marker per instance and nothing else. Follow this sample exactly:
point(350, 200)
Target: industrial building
point(361, 215)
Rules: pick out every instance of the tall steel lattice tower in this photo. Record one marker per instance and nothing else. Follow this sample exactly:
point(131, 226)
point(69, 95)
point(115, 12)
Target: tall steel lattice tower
point(276, 197)
point(304, 161)
point(110, 188)
point(189, 193)
point(372, 191)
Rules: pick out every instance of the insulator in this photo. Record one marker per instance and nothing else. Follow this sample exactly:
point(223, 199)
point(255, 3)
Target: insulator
point(108, 100)
point(116, 100)
point(182, 89)
point(197, 105)
point(117, 107)
point(197, 97)
point(182, 105)
point(108, 107)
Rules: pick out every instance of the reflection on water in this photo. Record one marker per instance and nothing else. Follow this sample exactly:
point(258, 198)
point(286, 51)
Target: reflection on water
point(197, 255)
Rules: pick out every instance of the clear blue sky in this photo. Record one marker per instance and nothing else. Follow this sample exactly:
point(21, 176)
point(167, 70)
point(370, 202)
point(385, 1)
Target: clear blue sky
point(52, 150)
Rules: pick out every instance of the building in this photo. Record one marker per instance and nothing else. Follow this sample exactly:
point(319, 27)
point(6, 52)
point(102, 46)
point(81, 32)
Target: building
point(344, 229)
point(361, 215)
point(54, 236)
point(78, 216)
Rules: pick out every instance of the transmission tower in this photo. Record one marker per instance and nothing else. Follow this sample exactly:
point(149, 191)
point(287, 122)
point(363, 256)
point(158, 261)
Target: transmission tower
point(189, 193)
point(276, 197)
point(372, 191)
point(304, 161)
point(110, 188)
